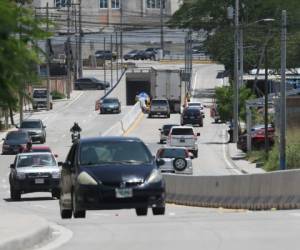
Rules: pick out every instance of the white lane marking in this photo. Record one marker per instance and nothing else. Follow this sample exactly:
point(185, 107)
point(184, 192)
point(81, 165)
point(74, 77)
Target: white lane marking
point(64, 135)
point(101, 214)
point(84, 121)
point(295, 214)
point(70, 103)
point(229, 164)
point(61, 236)
point(172, 214)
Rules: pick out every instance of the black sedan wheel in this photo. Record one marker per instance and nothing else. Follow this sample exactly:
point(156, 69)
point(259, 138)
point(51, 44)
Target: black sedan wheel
point(158, 210)
point(15, 194)
point(179, 164)
point(141, 211)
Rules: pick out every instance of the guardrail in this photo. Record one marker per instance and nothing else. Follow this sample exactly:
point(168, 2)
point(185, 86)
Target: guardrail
point(278, 190)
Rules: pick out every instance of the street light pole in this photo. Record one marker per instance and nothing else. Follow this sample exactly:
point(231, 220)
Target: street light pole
point(282, 144)
point(266, 102)
point(236, 72)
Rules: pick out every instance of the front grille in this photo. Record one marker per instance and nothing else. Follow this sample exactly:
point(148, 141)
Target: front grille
point(38, 175)
point(123, 184)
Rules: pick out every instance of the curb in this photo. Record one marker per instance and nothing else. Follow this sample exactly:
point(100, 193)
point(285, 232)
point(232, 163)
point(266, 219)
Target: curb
point(29, 238)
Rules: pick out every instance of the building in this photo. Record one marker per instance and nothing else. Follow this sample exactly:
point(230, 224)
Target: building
point(116, 12)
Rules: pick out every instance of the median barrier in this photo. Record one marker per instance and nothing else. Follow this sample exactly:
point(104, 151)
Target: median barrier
point(278, 190)
point(131, 116)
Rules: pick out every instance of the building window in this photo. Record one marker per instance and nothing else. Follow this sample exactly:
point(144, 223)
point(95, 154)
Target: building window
point(62, 3)
point(103, 4)
point(155, 4)
point(115, 4)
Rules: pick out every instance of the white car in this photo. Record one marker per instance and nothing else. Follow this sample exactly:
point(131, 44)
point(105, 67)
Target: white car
point(176, 160)
point(184, 136)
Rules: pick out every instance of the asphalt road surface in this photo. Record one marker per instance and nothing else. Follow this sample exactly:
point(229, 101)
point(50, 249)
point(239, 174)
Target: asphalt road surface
point(182, 227)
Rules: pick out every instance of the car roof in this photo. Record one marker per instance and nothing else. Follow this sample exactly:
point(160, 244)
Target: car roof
point(168, 147)
point(182, 127)
point(35, 153)
point(40, 147)
point(32, 120)
point(109, 139)
point(159, 99)
point(170, 125)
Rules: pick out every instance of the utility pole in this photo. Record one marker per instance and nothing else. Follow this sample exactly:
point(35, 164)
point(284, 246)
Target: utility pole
point(48, 59)
point(80, 41)
point(266, 102)
point(282, 144)
point(236, 74)
point(111, 62)
point(121, 35)
point(76, 42)
point(117, 52)
point(104, 62)
point(241, 43)
point(162, 27)
point(68, 55)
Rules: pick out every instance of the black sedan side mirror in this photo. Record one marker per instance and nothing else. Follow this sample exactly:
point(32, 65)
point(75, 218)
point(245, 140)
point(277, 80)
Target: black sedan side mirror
point(198, 134)
point(160, 162)
point(65, 165)
point(60, 163)
point(12, 166)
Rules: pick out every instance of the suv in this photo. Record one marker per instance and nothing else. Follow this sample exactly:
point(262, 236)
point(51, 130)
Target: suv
point(159, 107)
point(35, 129)
point(90, 83)
point(105, 55)
point(34, 172)
point(184, 136)
point(192, 116)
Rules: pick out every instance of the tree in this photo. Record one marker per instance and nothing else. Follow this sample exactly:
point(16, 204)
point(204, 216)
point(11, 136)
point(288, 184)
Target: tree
point(19, 33)
point(211, 16)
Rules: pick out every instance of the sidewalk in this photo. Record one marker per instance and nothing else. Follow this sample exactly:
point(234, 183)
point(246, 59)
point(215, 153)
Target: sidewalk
point(238, 158)
point(20, 231)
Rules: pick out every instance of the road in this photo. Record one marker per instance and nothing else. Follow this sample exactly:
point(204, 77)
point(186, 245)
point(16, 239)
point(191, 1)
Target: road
point(181, 227)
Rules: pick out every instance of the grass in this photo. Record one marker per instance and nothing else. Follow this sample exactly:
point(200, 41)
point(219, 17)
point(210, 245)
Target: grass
point(57, 95)
point(292, 153)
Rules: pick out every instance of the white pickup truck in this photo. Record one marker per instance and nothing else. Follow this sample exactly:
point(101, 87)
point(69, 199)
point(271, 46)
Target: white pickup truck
point(39, 98)
point(184, 136)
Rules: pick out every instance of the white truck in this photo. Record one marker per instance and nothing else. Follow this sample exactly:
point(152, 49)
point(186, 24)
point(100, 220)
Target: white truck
point(39, 98)
point(166, 84)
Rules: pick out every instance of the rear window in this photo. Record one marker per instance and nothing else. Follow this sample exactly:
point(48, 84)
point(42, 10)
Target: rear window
point(159, 102)
point(110, 101)
point(39, 160)
point(31, 124)
point(172, 153)
point(192, 112)
point(168, 126)
point(182, 131)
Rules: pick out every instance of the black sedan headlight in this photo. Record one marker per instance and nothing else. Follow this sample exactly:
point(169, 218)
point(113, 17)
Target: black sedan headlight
point(85, 179)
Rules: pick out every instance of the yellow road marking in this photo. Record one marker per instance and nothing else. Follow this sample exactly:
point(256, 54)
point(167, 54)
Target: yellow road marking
point(134, 125)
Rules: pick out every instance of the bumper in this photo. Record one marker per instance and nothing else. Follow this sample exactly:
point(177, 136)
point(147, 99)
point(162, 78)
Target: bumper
point(95, 198)
point(109, 110)
point(31, 185)
point(36, 137)
point(158, 112)
point(12, 150)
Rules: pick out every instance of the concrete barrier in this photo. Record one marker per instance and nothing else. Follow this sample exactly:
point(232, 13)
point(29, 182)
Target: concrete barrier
point(256, 192)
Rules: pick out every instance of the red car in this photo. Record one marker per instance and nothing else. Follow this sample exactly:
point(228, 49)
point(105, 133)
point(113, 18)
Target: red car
point(42, 149)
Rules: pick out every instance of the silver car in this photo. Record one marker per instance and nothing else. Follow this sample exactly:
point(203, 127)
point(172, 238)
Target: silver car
point(176, 160)
point(34, 172)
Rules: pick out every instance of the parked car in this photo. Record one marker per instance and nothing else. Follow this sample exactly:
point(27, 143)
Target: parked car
point(15, 142)
point(35, 128)
point(164, 132)
point(159, 107)
point(110, 105)
point(175, 160)
point(198, 105)
point(105, 55)
point(131, 55)
point(257, 138)
point(34, 172)
point(90, 83)
point(110, 173)
point(184, 136)
point(192, 116)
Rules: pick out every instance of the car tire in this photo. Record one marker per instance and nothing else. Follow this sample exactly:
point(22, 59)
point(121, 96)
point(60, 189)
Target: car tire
point(141, 211)
point(150, 115)
point(77, 213)
point(66, 213)
point(201, 124)
point(158, 210)
point(179, 164)
point(15, 195)
point(168, 115)
point(161, 141)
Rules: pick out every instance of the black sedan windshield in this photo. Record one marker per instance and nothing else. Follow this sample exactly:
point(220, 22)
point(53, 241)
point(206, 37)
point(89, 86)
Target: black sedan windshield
point(103, 152)
point(17, 136)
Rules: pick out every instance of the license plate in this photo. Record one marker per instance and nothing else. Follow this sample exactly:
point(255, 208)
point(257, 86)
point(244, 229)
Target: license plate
point(192, 117)
point(39, 181)
point(124, 192)
point(108, 109)
point(182, 140)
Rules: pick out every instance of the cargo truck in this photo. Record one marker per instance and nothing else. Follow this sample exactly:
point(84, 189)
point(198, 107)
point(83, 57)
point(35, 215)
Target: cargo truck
point(39, 98)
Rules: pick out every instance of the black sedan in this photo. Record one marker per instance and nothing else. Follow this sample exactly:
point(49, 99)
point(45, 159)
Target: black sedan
point(15, 142)
point(131, 55)
point(110, 105)
point(90, 83)
point(193, 116)
point(110, 173)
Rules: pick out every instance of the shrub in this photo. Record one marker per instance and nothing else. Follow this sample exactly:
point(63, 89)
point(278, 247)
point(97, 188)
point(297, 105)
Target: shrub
point(57, 95)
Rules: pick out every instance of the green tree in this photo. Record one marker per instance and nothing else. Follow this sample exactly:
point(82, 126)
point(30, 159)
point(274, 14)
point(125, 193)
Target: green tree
point(224, 101)
point(211, 16)
point(19, 32)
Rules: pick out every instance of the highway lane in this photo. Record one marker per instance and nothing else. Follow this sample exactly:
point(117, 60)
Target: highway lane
point(212, 159)
point(181, 227)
